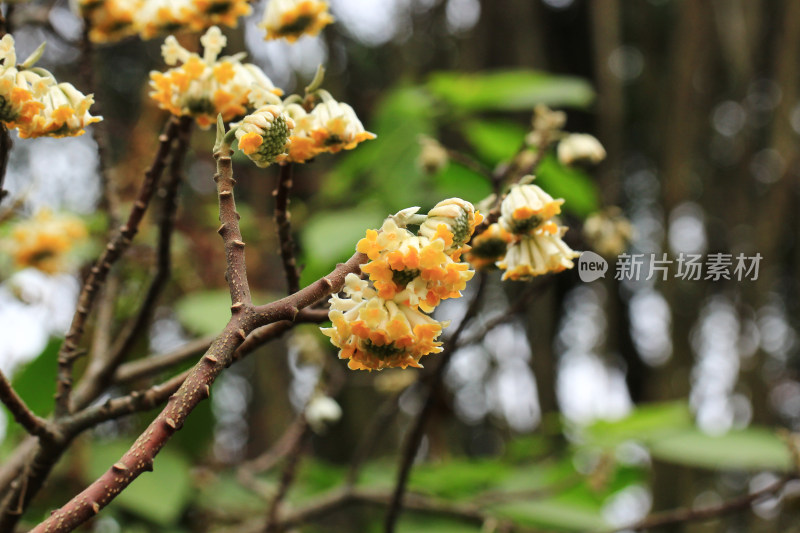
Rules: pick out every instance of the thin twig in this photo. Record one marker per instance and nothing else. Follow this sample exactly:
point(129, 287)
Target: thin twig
point(282, 217)
point(472, 164)
point(101, 370)
point(33, 424)
point(682, 516)
point(418, 429)
point(114, 250)
point(287, 478)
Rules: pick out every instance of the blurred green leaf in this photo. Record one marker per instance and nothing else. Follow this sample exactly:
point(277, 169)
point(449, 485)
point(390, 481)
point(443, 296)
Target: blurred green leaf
point(159, 496)
point(554, 513)
point(385, 168)
point(36, 381)
point(455, 180)
point(207, 312)
point(747, 449)
point(225, 493)
point(458, 478)
point(645, 423)
point(331, 236)
point(494, 140)
point(510, 90)
point(572, 184)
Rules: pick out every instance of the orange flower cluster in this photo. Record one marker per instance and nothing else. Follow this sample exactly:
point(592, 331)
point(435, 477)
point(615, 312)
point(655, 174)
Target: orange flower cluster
point(384, 321)
point(291, 19)
point(112, 20)
point(44, 241)
point(203, 87)
point(33, 102)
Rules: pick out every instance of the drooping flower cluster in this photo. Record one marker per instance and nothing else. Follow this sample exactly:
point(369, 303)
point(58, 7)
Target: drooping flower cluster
point(203, 87)
point(537, 248)
point(526, 241)
point(33, 102)
point(383, 321)
point(291, 19)
point(328, 128)
point(112, 20)
point(44, 241)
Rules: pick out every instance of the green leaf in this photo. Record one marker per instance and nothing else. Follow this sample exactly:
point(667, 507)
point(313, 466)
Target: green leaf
point(572, 184)
point(385, 168)
point(494, 140)
point(645, 424)
point(560, 514)
point(455, 180)
point(159, 496)
point(510, 90)
point(748, 449)
point(458, 478)
point(36, 381)
point(207, 312)
point(331, 236)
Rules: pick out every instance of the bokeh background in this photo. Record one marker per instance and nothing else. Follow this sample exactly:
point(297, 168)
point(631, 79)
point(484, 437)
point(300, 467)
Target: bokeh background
point(698, 106)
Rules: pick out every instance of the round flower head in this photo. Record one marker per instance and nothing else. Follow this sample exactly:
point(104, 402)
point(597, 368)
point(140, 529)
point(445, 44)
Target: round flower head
point(527, 207)
point(44, 241)
point(203, 87)
point(162, 16)
point(291, 19)
point(537, 254)
point(452, 220)
point(433, 157)
point(489, 247)
point(264, 134)
point(111, 20)
point(579, 148)
point(608, 231)
point(65, 114)
point(373, 333)
point(207, 13)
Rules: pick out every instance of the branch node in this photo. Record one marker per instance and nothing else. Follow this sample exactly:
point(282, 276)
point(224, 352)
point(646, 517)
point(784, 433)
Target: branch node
point(120, 467)
point(170, 423)
point(211, 359)
point(238, 243)
point(241, 334)
point(221, 228)
point(237, 307)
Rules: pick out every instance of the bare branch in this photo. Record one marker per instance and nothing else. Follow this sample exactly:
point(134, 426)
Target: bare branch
point(114, 250)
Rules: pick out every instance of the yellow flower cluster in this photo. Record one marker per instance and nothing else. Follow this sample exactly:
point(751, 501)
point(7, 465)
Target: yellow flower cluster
point(526, 242)
point(203, 87)
point(291, 19)
point(112, 20)
point(383, 322)
point(328, 128)
point(44, 241)
point(33, 102)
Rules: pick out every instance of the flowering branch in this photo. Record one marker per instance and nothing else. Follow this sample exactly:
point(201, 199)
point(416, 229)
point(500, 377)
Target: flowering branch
point(114, 250)
point(196, 386)
point(282, 216)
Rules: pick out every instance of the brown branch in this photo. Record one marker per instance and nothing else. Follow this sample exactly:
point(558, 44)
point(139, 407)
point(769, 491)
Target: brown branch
point(5, 152)
point(26, 418)
point(196, 387)
point(114, 250)
point(474, 165)
point(682, 516)
point(282, 217)
point(150, 366)
point(418, 429)
point(101, 370)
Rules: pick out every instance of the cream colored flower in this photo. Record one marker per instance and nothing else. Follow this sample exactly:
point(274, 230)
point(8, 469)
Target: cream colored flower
point(580, 148)
point(527, 207)
point(608, 231)
point(203, 87)
point(433, 156)
point(489, 247)
point(291, 19)
point(264, 134)
point(322, 411)
point(452, 220)
point(536, 254)
point(65, 113)
point(373, 333)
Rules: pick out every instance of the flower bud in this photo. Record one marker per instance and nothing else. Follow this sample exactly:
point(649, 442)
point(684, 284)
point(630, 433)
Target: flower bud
point(579, 148)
